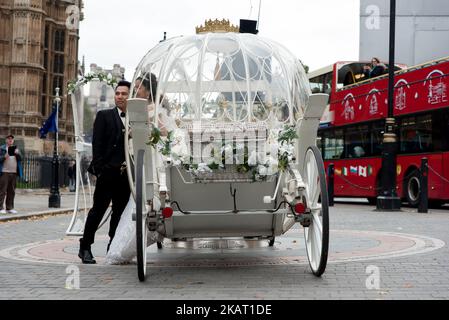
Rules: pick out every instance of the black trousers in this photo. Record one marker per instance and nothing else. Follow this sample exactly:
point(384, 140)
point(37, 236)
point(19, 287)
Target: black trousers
point(7, 189)
point(112, 185)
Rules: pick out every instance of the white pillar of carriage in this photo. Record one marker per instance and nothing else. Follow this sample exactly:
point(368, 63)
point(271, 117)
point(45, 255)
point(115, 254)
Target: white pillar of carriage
point(83, 152)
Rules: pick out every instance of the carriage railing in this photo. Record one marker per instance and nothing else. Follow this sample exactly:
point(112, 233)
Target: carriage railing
point(221, 135)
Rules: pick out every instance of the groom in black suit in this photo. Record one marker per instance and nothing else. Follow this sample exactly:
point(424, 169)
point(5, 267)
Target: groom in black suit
point(108, 165)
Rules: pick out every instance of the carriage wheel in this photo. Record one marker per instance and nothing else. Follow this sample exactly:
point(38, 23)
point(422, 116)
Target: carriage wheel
point(317, 233)
point(141, 225)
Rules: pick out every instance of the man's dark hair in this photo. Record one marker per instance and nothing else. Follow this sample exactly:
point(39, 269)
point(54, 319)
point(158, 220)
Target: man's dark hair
point(123, 83)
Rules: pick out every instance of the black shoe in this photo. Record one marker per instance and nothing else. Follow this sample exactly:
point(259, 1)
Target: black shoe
point(86, 256)
point(107, 249)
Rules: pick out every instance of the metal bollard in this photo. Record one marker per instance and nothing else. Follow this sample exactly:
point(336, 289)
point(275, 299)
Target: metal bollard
point(423, 204)
point(330, 184)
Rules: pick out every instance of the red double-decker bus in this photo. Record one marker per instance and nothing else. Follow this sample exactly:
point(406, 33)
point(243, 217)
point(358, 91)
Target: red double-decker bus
point(351, 131)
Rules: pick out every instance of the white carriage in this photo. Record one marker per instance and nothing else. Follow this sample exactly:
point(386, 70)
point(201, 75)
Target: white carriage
point(240, 158)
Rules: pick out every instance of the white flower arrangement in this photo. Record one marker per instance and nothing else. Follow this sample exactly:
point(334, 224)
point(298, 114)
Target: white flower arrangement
point(102, 77)
point(279, 153)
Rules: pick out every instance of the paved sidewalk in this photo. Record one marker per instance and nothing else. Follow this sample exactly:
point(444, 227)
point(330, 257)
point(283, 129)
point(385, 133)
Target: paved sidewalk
point(372, 255)
point(32, 203)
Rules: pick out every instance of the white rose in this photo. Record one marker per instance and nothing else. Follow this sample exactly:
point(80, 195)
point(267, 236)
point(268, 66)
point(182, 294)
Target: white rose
point(203, 167)
point(273, 168)
point(180, 150)
point(262, 170)
point(274, 148)
point(252, 160)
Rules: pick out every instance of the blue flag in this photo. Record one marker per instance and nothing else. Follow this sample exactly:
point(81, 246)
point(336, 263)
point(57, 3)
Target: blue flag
point(49, 125)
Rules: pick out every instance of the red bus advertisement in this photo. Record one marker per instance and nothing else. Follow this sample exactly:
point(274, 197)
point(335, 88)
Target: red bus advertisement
point(351, 130)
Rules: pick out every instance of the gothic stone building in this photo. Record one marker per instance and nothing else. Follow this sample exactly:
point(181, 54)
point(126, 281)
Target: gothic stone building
point(38, 53)
point(101, 96)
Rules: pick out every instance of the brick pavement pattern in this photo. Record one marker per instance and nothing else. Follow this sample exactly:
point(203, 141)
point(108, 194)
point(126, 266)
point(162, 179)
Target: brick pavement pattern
point(419, 276)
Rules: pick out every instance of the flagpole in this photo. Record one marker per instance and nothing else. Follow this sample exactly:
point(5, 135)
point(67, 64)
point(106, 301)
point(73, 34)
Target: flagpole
point(54, 200)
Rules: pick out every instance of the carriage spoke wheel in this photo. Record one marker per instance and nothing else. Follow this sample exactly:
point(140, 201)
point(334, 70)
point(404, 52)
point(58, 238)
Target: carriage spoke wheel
point(141, 221)
point(317, 233)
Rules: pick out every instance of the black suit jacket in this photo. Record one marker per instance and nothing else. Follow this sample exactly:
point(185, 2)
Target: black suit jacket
point(377, 71)
point(108, 149)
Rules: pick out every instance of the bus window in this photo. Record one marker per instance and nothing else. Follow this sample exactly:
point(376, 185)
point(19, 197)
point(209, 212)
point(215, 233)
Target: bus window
point(416, 134)
point(357, 142)
point(350, 73)
point(349, 79)
point(377, 132)
point(353, 72)
point(319, 142)
point(440, 130)
point(328, 85)
point(321, 83)
point(333, 144)
point(444, 134)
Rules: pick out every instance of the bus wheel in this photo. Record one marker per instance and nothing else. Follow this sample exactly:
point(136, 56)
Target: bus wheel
point(412, 188)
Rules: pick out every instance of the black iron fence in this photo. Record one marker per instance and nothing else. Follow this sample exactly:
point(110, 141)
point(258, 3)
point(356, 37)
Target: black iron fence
point(37, 172)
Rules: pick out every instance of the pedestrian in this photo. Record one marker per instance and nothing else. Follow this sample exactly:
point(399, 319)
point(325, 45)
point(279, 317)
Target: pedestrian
point(375, 69)
point(10, 168)
point(109, 166)
point(71, 173)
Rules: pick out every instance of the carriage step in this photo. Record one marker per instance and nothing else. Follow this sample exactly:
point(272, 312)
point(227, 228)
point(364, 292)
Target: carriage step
point(244, 223)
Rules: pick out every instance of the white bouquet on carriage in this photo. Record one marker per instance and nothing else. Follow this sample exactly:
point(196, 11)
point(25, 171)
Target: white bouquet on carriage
point(257, 165)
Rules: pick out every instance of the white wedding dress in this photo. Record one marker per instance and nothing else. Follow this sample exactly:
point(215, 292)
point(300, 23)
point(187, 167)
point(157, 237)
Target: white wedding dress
point(123, 246)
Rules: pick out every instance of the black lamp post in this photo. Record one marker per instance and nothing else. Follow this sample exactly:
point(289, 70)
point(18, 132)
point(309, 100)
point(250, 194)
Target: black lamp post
point(54, 201)
point(388, 200)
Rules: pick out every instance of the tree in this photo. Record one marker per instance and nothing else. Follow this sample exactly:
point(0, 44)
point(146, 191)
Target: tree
point(306, 67)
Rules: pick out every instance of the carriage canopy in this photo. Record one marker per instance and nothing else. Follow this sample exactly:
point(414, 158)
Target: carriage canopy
point(226, 77)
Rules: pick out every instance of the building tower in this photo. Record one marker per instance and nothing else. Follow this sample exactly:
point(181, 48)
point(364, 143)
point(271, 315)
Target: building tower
point(38, 53)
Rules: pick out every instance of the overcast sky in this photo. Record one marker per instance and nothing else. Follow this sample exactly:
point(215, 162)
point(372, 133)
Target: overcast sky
point(319, 32)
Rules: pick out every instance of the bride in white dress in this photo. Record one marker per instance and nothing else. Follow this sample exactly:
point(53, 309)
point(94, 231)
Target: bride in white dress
point(123, 247)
